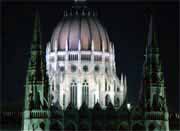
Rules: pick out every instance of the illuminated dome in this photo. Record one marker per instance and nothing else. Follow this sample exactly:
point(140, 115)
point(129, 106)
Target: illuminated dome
point(80, 26)
point(81, 63)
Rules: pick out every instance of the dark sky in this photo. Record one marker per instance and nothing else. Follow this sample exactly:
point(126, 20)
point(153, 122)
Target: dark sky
point(127, 25)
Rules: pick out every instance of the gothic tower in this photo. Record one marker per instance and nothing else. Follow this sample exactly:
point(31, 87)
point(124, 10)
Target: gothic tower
point(36, 108)
point(154, 96)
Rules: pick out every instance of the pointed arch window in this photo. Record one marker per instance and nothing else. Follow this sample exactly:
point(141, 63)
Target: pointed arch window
point(73, 93)
point(107, 100)
point(85, 93)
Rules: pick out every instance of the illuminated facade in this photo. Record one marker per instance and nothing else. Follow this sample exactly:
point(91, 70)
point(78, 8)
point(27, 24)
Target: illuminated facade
point(73, 84)
point(81, 62)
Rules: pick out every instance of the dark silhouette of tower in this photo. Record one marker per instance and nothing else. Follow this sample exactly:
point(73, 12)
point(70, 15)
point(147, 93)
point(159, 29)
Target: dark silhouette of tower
point(36, 108)
point(154, 96)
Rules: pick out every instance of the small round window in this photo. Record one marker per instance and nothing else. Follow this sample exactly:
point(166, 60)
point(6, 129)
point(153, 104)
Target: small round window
point(73, 68)
point(85, 68)
point(62, 68)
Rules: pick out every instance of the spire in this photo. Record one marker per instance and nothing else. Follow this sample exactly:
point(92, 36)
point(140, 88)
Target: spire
point(37, 60)
point(36, 33)
point(36, 86)
point(152, 40)
point(152, 72)
point(36, 73)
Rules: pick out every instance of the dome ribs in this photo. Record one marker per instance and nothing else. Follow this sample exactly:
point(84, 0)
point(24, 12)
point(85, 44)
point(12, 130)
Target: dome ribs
point(68, 36)
point(74, 34)
point(90, 33)
point(95, 37)
point(79, 35)
point(64, 34)
point(85, 36)
point(78, 31)
point(98, 33)
point(59, 45)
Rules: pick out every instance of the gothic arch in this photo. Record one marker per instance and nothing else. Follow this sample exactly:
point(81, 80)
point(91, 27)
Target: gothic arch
point(73, 93)
point(107, 100)
point(56, 126)
point(85, 92)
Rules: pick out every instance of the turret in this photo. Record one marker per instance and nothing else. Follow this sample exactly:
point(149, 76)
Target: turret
point(36, 87)
point(153, 74)
point(153, 84)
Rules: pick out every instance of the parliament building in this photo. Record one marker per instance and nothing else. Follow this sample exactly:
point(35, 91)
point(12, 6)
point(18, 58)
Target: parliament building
point(73, 85)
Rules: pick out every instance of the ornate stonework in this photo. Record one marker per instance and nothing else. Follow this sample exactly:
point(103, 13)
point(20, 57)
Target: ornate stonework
point(81, 63)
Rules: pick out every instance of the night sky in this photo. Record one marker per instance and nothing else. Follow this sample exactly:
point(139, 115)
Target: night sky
point(127, 26)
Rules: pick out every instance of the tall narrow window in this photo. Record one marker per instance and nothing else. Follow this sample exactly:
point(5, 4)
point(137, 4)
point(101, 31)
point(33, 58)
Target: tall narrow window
point(64, 100)
point(73, 93)
point(53, 86)
point(107, 100)
point(105, 85)
point(85, 93)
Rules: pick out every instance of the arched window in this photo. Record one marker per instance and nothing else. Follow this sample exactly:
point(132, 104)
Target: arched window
point(107, 100)
point(73, 93)
point(85, 93)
